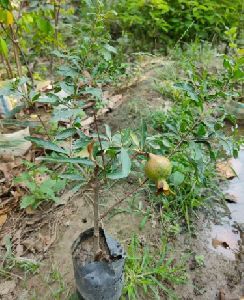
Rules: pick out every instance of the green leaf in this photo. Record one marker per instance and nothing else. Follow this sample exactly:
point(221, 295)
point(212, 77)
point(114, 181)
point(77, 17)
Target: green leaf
point(68, 88)
point(75, 160)
point(238, 74)
point(67, 71)
point(49, 98)
point(46, 144)
point(143, 134)
point(135, 139)
point(66, 133)
point(106, 55)
point(73, 177)
point(143, 222)
point(3, 47)
point(47, 188)
point(201, 131)
point(5, 4)
point(58, 54)
point(110, 48)
point(43, 25)
point(227, 64)
point(116, 140)
point(187, 87)
point(64, 114)
point(177, 178)
point(108, 131)
point(26, 201)
point(126, 166)
point(95, 92)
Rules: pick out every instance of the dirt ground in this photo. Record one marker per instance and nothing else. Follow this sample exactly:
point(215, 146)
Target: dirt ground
point(220, 276)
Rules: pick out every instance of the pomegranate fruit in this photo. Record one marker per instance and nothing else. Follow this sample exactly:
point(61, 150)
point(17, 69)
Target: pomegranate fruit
point(158, 168)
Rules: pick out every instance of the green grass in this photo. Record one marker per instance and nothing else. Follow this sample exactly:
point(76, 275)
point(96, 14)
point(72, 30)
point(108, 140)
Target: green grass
point(151, 272)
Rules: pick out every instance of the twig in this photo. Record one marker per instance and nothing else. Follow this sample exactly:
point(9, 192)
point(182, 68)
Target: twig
point(3, 272)
point(122, 199)
point(139, 152)
point(184, 33)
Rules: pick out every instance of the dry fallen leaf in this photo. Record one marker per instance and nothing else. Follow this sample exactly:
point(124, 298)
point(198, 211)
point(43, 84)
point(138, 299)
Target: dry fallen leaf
point(90, 150)
point(9, 201)
point(44, 85)
point(87, 152)
point(3, 219)
point(225, 169)
point(30, 211)
point(216, 243)
point(6, 169)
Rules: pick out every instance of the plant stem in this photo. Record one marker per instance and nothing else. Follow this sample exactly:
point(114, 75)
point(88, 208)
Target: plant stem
point(122, 199)
point(3, 62)
point(56, 9)
point(16, 51)
point(96, 212)
point(56, 17)
point(16, 43)
point(100, 144)
point(42, 122)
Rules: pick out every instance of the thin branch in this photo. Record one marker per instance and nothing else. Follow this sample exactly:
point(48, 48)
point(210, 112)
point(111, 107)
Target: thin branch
point(122, 199)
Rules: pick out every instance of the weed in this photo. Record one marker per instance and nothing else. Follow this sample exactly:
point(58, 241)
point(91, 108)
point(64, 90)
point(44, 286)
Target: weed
point(42, 185)
point(10, 262)
point(56, 283)
point(151, 273)
point(202, 54)
point(166, 88)
point(199, 260)
point(192, 135)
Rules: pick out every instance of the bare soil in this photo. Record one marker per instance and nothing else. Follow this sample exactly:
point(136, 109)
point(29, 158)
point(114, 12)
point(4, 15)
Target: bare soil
point(84, 249)
point(219, 277)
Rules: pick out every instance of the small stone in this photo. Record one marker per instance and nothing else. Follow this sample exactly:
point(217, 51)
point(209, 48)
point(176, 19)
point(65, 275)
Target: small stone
point(231, 198)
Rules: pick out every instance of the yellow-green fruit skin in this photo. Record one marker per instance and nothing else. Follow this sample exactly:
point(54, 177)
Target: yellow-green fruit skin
point(157, 167)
